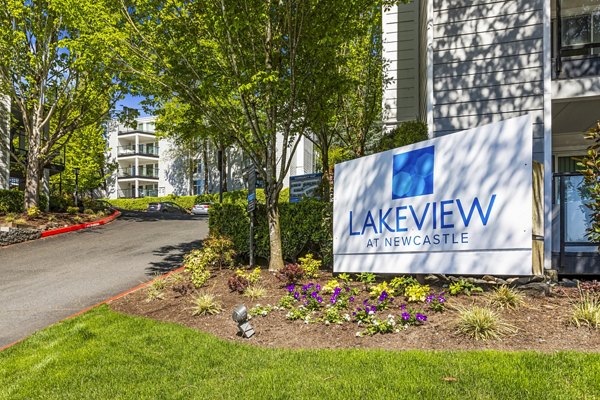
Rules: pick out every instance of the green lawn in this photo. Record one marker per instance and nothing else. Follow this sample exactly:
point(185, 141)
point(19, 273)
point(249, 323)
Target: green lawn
point(106, 355)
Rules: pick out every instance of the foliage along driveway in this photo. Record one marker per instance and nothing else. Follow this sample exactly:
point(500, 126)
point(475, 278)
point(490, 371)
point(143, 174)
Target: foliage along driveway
point(46, 280)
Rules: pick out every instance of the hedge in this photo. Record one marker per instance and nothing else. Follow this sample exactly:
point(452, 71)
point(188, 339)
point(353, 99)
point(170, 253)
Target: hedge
point(12, 201)
point(305, 227)
point(141, 203)
point(239, 197)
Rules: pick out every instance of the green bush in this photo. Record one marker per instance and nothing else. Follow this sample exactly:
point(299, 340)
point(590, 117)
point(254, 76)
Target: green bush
point(241, 197)
point(305, 227)
point(141, 203)
point(11, 200)
point(73, 210)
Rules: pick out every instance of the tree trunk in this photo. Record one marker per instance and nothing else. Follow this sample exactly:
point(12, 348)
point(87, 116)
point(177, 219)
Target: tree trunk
point(32, 183)
point(33, 170)
point(325, 185)
point(276, 250)
point(205, 164)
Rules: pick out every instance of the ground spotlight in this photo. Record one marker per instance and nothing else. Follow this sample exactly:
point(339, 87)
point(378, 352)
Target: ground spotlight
point(240, 316)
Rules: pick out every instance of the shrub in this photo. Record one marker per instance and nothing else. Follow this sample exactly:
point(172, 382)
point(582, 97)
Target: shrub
point(11, 200)
point(366, 277)
point(400, 283)
point(219, 252)
point(305, 227)
point(464, 286)
point(33, 212)
point(291, 273)
point(238, 283)
point(206, 304)
point(437, 303)
point(417, 292)
point(251, 276)
point(196, 263)
point(215, 254)
point(587, 311)
point(481, 323)
point(310, 266)
point(88, 211)
point(255, 292)
point(506, 297)
point(141, 203)
point(72, 210)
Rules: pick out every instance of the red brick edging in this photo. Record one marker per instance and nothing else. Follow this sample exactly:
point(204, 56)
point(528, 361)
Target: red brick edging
point(77, 227)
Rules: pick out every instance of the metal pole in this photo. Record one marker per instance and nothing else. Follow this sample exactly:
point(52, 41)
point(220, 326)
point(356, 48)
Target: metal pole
point(252, 238)
point(220, 165)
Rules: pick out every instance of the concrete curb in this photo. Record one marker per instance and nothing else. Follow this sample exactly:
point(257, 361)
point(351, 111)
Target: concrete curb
point(110, 299)
point(78, 227)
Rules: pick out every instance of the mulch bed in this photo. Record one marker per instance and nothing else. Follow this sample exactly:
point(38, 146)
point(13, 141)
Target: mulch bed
point(47, 221)
point(542, 323)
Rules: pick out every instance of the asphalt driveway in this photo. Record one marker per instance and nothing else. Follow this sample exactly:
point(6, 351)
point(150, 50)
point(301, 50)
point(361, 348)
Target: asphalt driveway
point(44, 281)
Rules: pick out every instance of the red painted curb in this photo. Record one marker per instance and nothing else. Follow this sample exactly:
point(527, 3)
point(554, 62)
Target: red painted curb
point(116, 297)
point(77, 227)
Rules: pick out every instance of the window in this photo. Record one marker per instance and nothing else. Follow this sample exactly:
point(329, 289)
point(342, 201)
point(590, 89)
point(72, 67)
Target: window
point(580, 27)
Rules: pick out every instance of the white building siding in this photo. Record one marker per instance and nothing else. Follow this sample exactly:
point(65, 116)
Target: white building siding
point(488, 64)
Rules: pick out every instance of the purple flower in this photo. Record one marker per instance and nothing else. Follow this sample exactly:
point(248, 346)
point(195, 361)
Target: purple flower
point(318, 287)
point(421, 317)
point(333, 300)
point(365, 301)
point(337, 291)
point(383, 296)
point(296, 295)
point(347, 289)
point(320, 299)
point(359, 309)
point(403, 307)
point(354, 314)
point(351, 298)
point(405, 316)
point(313, 295)
point(429, 298)
point(441, 299)
point(303, 296)
point(291, 288)
point(304, 288)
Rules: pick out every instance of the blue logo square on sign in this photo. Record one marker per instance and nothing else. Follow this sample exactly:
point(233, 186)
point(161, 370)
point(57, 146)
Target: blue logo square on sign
point(413, 173)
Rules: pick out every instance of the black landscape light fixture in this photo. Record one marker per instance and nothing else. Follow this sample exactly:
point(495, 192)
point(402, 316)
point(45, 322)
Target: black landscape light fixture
point(240, 316)
point(76, 172)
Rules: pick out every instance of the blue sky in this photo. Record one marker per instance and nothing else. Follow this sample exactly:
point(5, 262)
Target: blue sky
point(132, 102)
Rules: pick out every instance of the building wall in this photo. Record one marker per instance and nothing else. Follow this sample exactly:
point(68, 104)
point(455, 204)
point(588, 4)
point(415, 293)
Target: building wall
point(488, 64)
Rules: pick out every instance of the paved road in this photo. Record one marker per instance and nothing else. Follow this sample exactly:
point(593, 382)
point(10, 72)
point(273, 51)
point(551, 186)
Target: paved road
point(44, 281)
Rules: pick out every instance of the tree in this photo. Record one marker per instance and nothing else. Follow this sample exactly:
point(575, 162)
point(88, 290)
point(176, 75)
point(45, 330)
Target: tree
point(589, 166)
point(86, 150)
point(244, 65)
point(59, 63)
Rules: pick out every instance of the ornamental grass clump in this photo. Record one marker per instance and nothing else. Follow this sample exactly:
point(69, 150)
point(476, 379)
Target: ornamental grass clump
point(481, 323)
point(206, 304)
point(587, 310)
point(506, 297)
point(255, 292)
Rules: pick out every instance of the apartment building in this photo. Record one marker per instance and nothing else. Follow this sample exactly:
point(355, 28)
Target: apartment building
point(153, 166)
point(460, 64)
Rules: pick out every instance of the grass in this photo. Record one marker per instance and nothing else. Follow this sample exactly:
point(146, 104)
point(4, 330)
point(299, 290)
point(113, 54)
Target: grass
point(105, 355)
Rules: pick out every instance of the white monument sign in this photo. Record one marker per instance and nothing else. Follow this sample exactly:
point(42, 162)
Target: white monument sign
point(457, 204)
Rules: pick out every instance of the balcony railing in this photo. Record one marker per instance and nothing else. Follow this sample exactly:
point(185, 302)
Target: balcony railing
point(129, 132)
point(141, 150)
point(142, 172)
point(129, 193)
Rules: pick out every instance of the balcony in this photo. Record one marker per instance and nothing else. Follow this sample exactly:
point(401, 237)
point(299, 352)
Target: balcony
point(130, 193)
point(136, 131)
point(142, 172)
point(147, 150)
